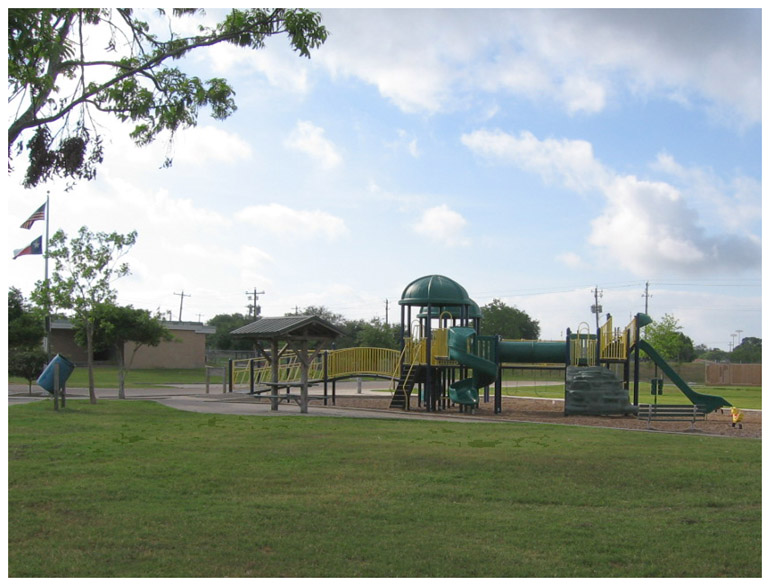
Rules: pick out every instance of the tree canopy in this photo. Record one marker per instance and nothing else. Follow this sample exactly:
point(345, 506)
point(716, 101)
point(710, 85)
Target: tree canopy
point(26, 357)
point(224, 324)
point(85, 268)
point(749, 351)
point(114, 326)
point(58, 77)
point(25, 325)
point(509, 322)
point(666, 336)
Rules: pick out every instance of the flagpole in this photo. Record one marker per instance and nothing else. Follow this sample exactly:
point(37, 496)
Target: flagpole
point(45, 281)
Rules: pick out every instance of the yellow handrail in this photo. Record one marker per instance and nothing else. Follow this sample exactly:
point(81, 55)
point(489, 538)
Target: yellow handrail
point(353, 361)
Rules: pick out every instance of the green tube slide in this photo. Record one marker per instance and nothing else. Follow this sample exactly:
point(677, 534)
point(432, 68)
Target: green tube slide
point(531, 352)
point(464, 349)
point(709, 403)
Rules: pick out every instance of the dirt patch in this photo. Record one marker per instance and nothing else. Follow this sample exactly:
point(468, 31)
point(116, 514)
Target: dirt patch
point(718, 423)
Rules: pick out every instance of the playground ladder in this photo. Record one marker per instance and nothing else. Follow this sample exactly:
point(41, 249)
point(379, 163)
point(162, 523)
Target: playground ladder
point(404, 387)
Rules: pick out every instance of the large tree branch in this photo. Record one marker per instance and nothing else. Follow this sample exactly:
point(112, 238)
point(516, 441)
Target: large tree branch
point(172, 50)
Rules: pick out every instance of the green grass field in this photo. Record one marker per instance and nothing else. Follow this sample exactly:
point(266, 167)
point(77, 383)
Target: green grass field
point(741, 397)
point(106, 377)
point(127, 488)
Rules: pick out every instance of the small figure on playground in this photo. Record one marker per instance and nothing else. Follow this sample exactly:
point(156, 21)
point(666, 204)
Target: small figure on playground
point(737, 415)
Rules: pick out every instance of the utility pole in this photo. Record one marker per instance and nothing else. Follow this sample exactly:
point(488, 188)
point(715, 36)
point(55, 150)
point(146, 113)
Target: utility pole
point(254, 296)
point(386, 312)
point(646, 296)
point(596, 308)
point(181, 302)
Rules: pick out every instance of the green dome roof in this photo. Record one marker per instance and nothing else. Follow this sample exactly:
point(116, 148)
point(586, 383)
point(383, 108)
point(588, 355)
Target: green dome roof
point(435, 290)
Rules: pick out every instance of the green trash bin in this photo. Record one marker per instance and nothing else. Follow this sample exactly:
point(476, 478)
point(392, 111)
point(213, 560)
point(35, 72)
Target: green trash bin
point(66, 367)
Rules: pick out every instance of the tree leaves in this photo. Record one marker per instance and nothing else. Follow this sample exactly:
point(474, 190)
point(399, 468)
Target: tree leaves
point(138, 87)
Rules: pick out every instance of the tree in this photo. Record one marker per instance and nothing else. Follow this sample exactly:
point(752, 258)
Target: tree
point(336, 319)
point(27, 363)
point(667, 338)
point(226, 323)
point(508, 322)
point(84, 271)
point(114, 326)
point(57, 79)
point(715, 354)
point(376, 334)
point(25, 325)
point(749, 351)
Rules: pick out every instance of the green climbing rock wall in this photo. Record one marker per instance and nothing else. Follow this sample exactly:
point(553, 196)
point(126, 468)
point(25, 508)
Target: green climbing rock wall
point(594, 390)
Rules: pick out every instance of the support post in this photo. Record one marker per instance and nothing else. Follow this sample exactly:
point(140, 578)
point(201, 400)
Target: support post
point(56, 386)
point(274, 373)
point(636, 368)
point(326, 377)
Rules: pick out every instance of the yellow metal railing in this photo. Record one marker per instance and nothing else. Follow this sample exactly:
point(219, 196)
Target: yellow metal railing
point(583, 347)
point(289, 369)
point(613, 342)
point(439, 346)
point(351, 361)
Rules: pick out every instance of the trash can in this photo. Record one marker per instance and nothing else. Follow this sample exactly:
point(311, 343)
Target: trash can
point(66, 367)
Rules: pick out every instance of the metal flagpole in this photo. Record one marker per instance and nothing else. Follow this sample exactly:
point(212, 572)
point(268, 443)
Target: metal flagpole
point(45, 280)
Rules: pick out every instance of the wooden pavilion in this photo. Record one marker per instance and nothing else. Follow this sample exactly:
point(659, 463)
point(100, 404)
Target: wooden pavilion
point(306, 335)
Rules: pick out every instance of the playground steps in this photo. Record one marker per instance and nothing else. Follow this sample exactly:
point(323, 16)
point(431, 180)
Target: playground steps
point(404, 387)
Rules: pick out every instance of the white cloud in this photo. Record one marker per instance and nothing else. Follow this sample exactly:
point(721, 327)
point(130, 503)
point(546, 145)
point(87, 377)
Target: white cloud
point(309, 139)
point(647, 227)
point(205, 144)
point(442, 225)
point(578, 58)
point(279, 65)
point(570, 162)
point(582, 94)
point(293, 224)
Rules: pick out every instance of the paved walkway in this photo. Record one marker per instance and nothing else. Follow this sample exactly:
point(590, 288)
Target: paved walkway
point(195, 398)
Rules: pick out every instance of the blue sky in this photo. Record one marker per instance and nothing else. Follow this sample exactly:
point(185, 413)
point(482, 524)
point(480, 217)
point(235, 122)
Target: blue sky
point(531, 155)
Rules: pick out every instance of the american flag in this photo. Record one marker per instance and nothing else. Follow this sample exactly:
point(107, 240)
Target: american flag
point(38, 215)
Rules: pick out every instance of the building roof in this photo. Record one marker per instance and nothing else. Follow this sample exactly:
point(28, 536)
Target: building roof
point(282, 328)
point(197, 327)
point(435, 290)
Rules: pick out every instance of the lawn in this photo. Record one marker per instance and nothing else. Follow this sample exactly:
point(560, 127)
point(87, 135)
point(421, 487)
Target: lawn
point(106, 377)
point(741, 397)
point(128, 488)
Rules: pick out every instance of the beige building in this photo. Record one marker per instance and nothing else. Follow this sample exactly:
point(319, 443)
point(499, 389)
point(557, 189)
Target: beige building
point(186, 350)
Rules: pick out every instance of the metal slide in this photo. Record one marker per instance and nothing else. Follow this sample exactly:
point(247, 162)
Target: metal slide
point(708, 403)
point(463, 349)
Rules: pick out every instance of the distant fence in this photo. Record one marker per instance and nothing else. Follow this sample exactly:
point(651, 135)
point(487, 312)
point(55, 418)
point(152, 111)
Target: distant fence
point(734, 374)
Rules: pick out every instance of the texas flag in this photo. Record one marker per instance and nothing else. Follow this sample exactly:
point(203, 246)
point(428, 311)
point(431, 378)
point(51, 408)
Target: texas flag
point(34, 247)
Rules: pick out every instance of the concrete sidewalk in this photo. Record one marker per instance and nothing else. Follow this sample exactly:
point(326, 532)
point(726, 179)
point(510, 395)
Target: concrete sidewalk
point(194, 398)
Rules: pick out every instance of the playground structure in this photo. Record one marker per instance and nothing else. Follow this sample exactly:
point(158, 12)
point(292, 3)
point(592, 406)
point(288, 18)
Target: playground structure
point(445, 358)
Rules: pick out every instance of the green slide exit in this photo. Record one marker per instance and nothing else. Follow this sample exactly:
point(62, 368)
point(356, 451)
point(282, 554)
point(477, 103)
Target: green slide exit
point(708, 402)
point(463, 349)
